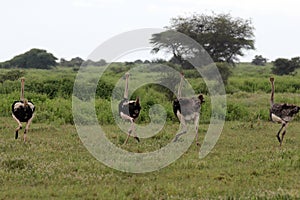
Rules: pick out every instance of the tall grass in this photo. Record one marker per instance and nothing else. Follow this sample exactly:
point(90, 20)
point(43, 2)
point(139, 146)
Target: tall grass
point(247, 93)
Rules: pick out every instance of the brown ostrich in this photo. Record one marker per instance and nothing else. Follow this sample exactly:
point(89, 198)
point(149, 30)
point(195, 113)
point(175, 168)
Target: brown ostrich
point(23, 111)
point(129, 110)
point(281, 113)
point(186, 109)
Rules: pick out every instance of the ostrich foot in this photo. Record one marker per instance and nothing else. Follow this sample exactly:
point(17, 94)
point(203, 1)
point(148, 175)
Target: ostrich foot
point(17, 132)
point(137, 138)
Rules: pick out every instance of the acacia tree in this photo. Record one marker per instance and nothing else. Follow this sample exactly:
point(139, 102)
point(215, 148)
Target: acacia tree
point(180, 46)
point(222, 36)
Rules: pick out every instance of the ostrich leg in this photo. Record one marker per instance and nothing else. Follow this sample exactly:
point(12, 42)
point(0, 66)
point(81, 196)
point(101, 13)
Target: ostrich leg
point(278, 134)
point(196, 122)
point(27, 127)
point(183, 123)
point(19, 126)
point(283, 133)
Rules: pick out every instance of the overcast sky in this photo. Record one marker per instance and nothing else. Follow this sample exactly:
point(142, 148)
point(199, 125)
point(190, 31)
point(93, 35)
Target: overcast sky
point(70, 28)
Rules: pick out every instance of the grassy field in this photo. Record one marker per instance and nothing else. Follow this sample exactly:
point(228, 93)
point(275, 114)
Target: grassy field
point(246, 163)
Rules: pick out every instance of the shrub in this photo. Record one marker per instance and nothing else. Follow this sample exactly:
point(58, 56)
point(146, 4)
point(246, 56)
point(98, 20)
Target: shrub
point(236, 112)
point(11, 75)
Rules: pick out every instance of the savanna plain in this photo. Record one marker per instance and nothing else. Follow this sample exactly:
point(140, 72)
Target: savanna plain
point(246, 162)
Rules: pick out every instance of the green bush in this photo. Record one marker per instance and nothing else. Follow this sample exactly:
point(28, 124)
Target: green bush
point(11, 75)
point(236, 112)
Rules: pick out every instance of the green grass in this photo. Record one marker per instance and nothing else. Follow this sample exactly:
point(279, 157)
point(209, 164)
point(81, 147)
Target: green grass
point(246, 163)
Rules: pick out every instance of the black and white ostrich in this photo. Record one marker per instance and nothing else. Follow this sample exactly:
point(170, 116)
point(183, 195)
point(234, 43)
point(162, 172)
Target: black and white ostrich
point(281, 113)
point(129, 110)
point(23, 111)
point(187, 109)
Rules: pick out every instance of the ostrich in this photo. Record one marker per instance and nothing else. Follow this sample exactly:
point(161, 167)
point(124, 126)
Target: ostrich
point(129, 110)
point(23, 111)
point(281, 113)
point(186, 109)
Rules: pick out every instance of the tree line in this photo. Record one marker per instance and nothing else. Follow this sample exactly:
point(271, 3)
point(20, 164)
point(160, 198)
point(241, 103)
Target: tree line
point(41, 59)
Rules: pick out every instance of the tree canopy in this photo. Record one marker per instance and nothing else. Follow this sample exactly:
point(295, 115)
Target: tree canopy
point(259, 60)
point(77, 62)
point(222, 36)
point(283, 66)
point(34, 58)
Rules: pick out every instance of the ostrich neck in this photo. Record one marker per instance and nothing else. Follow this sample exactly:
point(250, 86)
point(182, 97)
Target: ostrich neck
point(272, 94)
point(126, 87)
point(180, 87)
point(22, 90)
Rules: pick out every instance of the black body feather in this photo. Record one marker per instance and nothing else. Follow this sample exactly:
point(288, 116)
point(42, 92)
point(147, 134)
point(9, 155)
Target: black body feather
point(285, 111)
point(130, 108)
point(22, 112)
